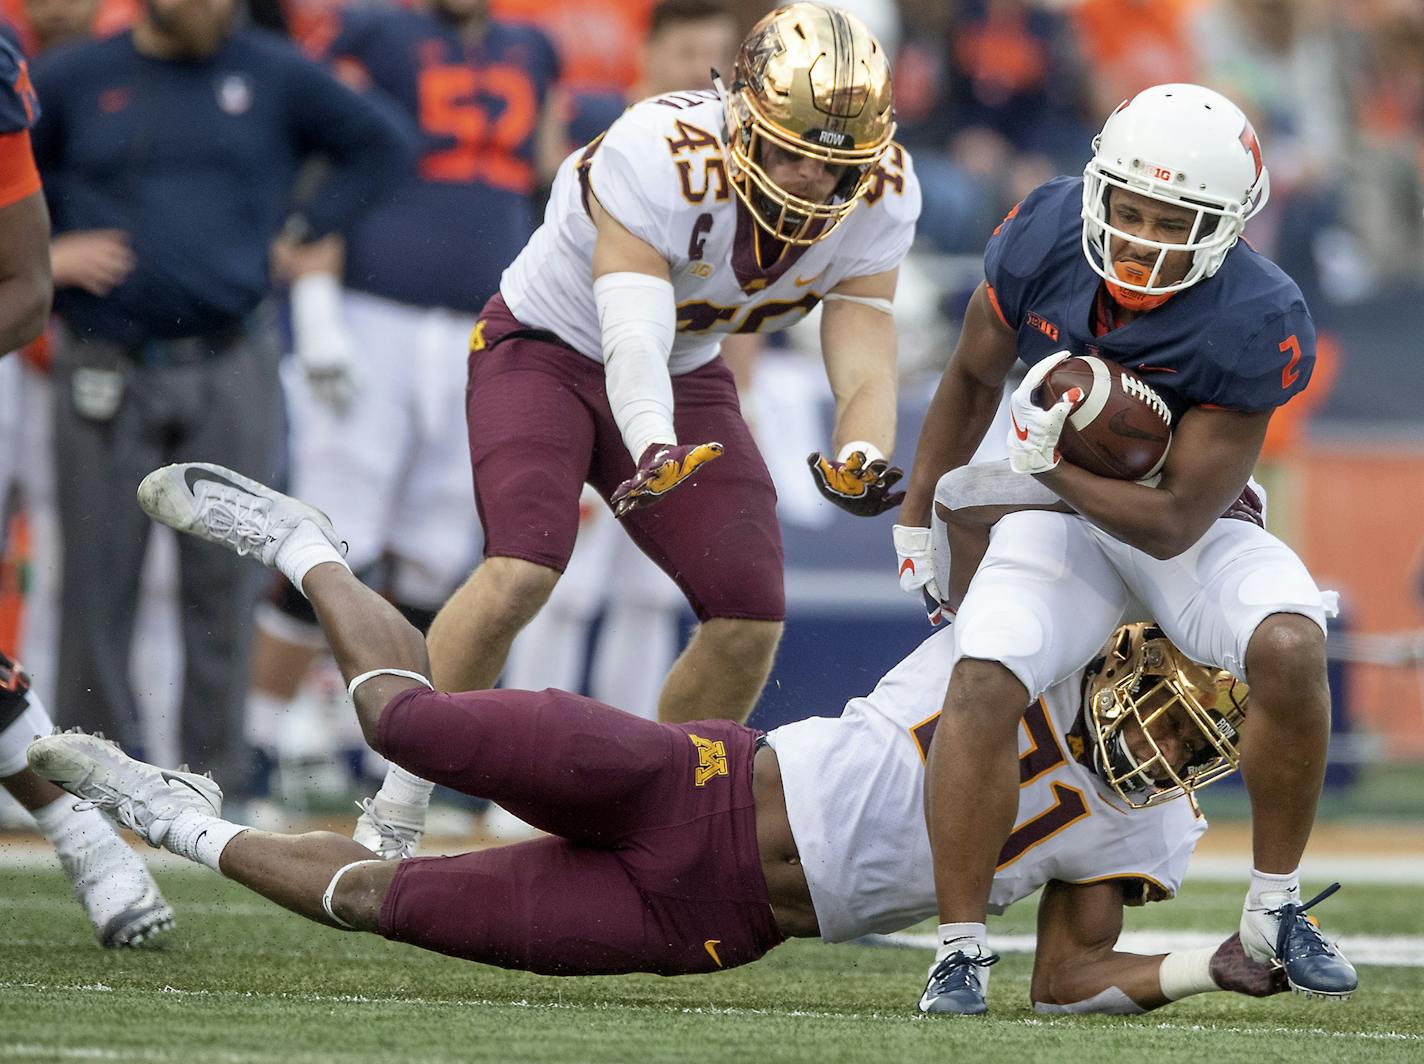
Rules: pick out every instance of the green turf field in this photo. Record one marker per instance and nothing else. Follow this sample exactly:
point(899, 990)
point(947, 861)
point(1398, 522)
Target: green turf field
point(243, 981)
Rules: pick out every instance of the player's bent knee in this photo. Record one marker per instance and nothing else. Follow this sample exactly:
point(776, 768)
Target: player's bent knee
point(517, 589)
point(1285, 648)
point(360, 893)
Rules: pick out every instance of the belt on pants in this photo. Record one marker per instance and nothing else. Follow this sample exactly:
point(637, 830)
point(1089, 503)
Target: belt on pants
point(184, 350)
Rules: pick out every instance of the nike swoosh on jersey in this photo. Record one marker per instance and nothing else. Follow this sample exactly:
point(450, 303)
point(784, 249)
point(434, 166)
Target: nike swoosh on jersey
point(802, 282)
point(711, 947)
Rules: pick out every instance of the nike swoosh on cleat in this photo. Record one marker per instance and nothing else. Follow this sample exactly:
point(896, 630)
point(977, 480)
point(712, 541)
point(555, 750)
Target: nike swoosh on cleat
point(711, 947)
point(169, 777)
point(1020, 433)
point(192, 475)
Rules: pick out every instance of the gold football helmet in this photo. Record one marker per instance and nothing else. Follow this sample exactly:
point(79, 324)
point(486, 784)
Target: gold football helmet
point(812, 81)
point(1142, 684)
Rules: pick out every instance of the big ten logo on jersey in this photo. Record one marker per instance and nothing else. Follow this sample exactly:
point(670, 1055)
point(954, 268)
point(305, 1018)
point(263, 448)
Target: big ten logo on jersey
point(888, 175)
point(489, 113)
point(1043, 754)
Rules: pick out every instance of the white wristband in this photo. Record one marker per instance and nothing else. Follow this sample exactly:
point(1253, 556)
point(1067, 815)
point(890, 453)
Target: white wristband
point(872, 453)
point(359, 680)
point(316, 309)
point(1187, 972)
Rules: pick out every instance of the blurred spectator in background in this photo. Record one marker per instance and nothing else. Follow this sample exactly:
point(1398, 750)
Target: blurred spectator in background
point(1386, 175)
point(1280, 61)
point(56, 22)
point(1130, 45)
point(378, 434)
point(170, 151)
point(597, 42)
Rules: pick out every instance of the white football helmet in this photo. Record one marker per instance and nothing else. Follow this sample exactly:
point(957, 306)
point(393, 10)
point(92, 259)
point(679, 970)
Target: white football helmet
point(1184, 145)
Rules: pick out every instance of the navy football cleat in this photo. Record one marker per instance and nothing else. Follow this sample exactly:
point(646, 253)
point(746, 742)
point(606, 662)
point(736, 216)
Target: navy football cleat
point(956, 987)
point(1312, 965)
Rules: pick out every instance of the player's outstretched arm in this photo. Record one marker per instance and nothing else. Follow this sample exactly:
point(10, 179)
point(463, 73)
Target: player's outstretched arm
point(637, 320)
point(858, 346)
point(1077, 967)
point(1213, 453)
point(963, 406)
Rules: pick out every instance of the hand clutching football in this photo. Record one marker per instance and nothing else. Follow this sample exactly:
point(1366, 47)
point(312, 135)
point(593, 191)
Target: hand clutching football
point(1118, 427)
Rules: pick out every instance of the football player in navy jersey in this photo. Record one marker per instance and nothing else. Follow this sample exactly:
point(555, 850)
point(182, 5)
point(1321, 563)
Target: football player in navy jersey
point(1137, 262)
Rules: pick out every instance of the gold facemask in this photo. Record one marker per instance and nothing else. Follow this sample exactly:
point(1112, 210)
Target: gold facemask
point(1142, 678)
point(814, 82)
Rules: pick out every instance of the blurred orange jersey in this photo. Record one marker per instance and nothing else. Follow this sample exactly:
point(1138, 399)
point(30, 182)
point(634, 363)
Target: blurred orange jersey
point(599, 41)
point(113, 16)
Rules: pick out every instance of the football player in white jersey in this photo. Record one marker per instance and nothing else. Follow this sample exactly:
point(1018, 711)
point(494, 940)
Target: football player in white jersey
point(697, 215)
point(667, 853)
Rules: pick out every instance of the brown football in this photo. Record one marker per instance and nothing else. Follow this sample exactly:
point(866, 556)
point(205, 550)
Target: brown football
point(1121, 428)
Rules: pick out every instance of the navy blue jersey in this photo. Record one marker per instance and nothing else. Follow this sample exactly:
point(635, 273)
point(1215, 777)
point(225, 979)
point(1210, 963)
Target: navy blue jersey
point(195, 160)
point(1242, 339)
point(444, 238)
point(18, 108)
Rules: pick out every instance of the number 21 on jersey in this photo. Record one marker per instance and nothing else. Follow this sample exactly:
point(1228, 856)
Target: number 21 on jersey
point(1043, 756)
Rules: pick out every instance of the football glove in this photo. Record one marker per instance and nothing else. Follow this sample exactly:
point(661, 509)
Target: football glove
point(856, 485)
point(1033, 435)
point(662, 467)
point(1232, 969)
point(917, 573)
point(1249, 507)
point(324, 345)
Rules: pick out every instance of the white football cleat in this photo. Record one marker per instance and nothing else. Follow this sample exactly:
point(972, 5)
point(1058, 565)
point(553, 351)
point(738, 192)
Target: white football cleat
point(142, 797)
point(391, 830)
point(214, 503)
point(118, 894)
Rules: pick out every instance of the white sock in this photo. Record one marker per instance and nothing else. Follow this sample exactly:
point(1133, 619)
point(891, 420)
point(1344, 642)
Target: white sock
point(962, 937)
point(201, 837)
point(69, 831)
point(303, 550)
point(1271, 890)
point(401, 786)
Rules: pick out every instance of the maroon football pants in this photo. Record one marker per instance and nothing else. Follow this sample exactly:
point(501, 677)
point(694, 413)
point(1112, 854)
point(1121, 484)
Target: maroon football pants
point(652, 864)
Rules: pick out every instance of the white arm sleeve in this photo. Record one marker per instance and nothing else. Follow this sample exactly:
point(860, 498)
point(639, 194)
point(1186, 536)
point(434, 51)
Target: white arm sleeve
point(637, 319)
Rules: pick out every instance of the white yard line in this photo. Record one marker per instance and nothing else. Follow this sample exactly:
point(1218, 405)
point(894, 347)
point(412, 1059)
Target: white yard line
point(1399, 951)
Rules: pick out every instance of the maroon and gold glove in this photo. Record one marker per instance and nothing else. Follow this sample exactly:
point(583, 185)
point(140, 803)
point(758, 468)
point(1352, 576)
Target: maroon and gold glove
point(662, 467)
point(1231, 969)
point(1248, 507)
point(855, 485)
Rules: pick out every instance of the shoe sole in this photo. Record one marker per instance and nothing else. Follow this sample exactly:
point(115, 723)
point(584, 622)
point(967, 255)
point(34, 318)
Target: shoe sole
point(142, 927)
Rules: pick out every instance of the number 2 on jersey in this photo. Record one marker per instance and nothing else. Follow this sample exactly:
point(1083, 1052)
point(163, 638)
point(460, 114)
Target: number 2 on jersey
point(483, 151)
point(1043, 756)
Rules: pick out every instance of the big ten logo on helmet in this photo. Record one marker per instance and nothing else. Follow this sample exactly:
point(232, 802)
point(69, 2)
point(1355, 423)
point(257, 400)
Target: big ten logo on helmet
point(699, 160)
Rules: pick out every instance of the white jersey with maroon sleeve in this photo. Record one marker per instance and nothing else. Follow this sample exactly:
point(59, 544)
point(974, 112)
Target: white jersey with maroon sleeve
point(854, 789)
point(660, 170)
